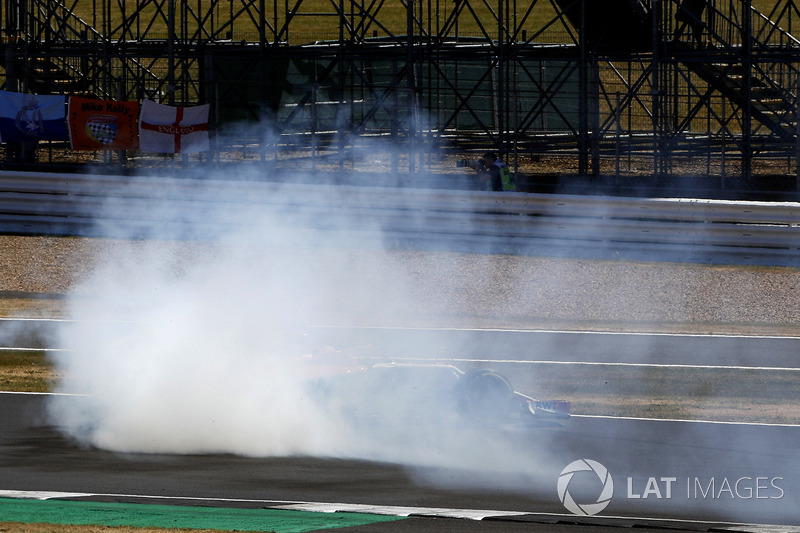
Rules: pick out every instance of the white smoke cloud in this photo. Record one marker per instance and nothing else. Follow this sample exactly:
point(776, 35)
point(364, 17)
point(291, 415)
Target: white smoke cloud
point(185, 347)
point(180, 347)
point(198, 360)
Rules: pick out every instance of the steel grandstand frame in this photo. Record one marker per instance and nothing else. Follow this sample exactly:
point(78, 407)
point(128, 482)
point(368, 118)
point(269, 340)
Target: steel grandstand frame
point(615, 89)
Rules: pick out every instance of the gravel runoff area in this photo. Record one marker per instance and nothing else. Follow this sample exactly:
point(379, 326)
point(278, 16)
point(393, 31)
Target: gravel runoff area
point(437, 289)
point(465, 290)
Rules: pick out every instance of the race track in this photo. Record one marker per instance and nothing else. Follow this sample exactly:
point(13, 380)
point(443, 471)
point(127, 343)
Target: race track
point(684, 475)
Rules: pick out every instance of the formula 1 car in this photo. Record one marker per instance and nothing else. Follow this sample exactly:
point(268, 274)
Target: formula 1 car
point(434, 392)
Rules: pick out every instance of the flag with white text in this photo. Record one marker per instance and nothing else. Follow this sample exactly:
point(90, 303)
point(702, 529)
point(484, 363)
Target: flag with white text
point(173, 130)
point(102, 124)
point(32, 117)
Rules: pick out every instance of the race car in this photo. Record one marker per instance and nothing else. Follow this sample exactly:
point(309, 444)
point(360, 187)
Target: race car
point(434, 392)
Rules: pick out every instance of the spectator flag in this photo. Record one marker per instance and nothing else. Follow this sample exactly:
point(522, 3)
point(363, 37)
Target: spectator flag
point(173, 130)
point(32, 117)
point(102, 124)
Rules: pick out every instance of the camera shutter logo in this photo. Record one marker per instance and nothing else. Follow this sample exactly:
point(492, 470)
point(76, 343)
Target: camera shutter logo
point(585, 509)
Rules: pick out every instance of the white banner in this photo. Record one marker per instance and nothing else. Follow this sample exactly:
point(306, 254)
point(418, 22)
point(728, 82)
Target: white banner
point(173, 130)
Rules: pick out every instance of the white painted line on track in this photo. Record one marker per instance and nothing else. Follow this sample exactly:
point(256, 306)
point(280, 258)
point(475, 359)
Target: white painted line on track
point(18, 349)
point(494, 330)
point(522, 361)
point(689, 421)
point(320, 507)
point(39, 494)
point(571, 332)
point(393, 510)
point(34, 319)
point(9, 392)
point(599, 363)
point(439, 512)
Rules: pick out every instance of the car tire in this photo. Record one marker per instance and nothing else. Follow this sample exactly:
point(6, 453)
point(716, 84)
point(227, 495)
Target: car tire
point(484, 395)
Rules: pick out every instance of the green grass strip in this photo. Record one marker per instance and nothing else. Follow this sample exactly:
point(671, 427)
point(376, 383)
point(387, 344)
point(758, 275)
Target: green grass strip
point(180, 517)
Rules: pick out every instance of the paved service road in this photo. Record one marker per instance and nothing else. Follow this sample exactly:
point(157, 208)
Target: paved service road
point(660, 470)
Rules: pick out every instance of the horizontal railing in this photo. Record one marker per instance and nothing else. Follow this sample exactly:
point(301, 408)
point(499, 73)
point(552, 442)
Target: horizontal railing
point(466, 221)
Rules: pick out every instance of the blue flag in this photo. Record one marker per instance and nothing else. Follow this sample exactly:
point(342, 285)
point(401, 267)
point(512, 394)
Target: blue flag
point(32, 117)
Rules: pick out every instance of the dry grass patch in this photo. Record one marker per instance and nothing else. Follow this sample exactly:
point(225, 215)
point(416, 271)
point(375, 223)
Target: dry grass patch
point(25, 371)
point(32, 308)
point(676, 408)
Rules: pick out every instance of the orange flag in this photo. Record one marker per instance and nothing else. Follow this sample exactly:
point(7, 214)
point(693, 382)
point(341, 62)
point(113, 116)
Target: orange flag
point(102, 124)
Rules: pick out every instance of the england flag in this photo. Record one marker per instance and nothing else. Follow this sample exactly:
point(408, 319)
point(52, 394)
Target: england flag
point(173, 130)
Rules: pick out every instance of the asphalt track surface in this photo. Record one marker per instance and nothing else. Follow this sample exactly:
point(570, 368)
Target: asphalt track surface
point(692, 476)
point(564, 346)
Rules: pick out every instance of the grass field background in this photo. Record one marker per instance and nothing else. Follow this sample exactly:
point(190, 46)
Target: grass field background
point(311, 20)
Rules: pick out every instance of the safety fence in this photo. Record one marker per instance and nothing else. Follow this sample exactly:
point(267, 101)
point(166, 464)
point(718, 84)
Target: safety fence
point(199, 208)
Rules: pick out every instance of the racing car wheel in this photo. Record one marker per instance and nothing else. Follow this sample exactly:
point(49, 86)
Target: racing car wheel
point(484, 395)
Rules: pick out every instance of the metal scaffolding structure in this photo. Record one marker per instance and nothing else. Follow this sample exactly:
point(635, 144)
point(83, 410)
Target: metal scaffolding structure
point(623, 90)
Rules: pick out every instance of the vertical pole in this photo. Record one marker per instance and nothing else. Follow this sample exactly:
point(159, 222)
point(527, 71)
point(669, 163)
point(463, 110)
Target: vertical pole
point(618, 118)
point(11, 71)
point(747, 67)
point(517, 125)
point(710, 141)
point(171, 52)
point(314, 124)
point(410, 73)
point(595, 113)
point(501, 93)
point(121, 96)
point(515, 111)
point(724, 141)
point(583, 158)
point(395, 104)
point(655, 93)
point(276, 30)
point(797, 136)
point(262, 68)
point(515, 88)
point(211, 96)
point(629, 121)
point(340, 113)
point(262, 30)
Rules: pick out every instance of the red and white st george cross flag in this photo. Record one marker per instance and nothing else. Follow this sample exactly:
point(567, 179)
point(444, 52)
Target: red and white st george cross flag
point(173, 130)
